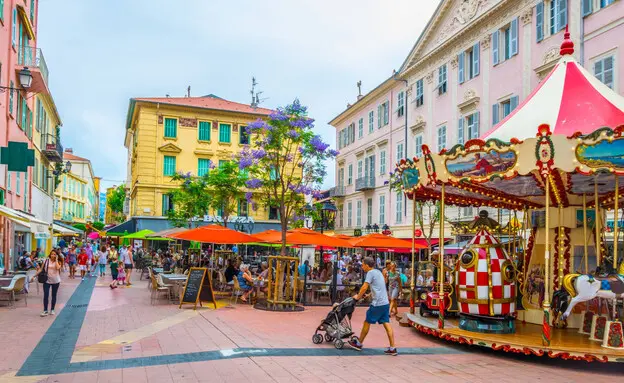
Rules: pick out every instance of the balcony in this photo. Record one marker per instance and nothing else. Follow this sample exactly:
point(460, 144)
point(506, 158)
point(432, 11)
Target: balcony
point(32, 58)
point(337, 191)
point(364, 183)
point(52, 148)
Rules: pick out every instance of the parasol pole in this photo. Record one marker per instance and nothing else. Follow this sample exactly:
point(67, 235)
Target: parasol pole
point(546, 301)
point(441, 263)
point(616, 234)
point(412, 292)
point(585, 260)
point(597, 229)
point(561, 260)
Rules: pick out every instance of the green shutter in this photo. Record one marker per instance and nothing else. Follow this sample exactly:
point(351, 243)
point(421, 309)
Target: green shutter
point(169, 166)
point(171, 128)
point(204, 131)
point(224, 133)
point(203, 165)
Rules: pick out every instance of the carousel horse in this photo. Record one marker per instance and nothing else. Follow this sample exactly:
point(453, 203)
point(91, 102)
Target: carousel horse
point(586, 287)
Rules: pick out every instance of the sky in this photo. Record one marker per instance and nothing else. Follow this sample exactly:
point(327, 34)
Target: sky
point(102, 53)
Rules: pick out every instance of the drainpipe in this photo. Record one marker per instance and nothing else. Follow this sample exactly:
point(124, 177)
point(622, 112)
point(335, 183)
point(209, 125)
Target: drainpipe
point(405, 103)
point(582, 37)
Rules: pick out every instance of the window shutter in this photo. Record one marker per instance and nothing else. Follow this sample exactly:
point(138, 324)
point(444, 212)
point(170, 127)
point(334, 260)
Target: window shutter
point(494, 114)
point(460, 67)
point(514, 37)
point(562, 14)
point(587, 7)
point(475, 59)
point(460, 131)
point(386, 113)
point(379, 116)
point(513, 102)
point(539, 21)
point(476, 132)
point(495, 48)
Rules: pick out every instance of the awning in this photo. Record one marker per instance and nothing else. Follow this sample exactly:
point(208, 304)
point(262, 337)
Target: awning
point(62, 231)
point(26, 22)
point(68, 227)
point(128, 226)
point(13, 215)
point(41, 229)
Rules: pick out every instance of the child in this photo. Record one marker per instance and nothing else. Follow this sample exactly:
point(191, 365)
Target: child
point(121, 277)
point(82, 263)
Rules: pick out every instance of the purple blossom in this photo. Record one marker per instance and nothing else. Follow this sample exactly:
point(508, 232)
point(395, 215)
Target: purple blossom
point(386, 182)
point(278, 115)
point(254, 183)
point(293, 134)
point(244, 162)
point(248, 196)
point(296, 108)
point(302, 123)
point(289, 158)
point(317, 194)
point(258, 154)
point(254, 206)
point(333, 153)
point(318, 144)
point(257, 125)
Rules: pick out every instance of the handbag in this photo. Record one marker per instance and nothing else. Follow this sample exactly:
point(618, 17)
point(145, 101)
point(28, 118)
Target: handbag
point(42, 277)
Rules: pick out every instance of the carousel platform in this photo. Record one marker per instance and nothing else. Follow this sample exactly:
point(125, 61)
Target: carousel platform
point(565, 343)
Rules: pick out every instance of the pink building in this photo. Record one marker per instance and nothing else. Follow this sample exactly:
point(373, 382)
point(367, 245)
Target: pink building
point(28, 116)
point(474, 63)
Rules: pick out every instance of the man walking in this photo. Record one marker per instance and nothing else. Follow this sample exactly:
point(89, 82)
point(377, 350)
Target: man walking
point(379, 310)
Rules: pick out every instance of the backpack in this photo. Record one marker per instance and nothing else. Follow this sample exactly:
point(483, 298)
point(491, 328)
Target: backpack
point(42, 277)
point(22, 262)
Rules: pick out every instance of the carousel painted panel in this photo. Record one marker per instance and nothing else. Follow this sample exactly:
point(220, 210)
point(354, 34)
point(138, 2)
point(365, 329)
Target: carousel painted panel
point(480, 161)
point(602, 150)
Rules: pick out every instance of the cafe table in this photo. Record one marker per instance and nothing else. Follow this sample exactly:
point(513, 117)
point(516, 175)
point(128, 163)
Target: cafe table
point(175, 279)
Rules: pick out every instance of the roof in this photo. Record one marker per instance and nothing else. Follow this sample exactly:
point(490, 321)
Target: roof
point(570, 100)
point(208, 102)
point(73, 157)
point(364, 100)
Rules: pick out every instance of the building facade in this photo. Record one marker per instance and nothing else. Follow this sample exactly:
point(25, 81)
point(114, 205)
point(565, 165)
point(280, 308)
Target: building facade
point(186, 134)
point(474, 63)
point(29, 116)
point(77, 200)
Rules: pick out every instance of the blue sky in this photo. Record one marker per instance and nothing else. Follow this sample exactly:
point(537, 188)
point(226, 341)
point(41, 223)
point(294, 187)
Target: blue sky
point(102, 53)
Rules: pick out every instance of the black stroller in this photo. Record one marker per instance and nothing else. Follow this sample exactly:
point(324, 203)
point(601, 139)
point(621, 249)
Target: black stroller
point(337, 324)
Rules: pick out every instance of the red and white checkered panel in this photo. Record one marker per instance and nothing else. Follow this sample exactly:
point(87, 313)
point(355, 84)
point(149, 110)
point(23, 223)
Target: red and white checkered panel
point(474, 283)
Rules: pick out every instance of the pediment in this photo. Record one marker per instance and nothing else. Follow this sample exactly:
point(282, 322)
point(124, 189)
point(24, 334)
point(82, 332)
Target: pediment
point(451, 17)
point(170, 148)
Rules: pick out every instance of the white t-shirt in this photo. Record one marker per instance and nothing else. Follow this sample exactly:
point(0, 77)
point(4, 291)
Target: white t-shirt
point(103, 256)
point(377, 283)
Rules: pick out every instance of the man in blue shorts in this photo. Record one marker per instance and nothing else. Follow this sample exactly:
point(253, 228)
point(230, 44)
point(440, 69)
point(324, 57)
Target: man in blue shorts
point(379, 310)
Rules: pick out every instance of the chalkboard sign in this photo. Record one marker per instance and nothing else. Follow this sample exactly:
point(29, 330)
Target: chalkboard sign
point(194, 283)
point(206, 294)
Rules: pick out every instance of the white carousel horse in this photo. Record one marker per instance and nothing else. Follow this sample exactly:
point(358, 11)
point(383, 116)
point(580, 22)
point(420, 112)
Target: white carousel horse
point(585, 287)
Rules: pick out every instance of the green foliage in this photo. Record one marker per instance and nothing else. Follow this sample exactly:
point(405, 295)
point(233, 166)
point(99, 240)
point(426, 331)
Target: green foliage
point(190, 200)
point(97, 225)
point(225, 184)
point(80, 226)
point(115, 200)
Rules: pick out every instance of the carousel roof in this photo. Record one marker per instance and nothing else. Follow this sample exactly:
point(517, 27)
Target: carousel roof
point(569, 99)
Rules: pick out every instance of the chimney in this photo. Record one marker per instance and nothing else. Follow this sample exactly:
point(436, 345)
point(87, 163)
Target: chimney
point(69, 150)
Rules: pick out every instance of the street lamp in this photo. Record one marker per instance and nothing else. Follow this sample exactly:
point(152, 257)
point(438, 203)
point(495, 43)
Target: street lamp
point(58, 172)
point(368, 229)
point(328, 213)
point(375, 228)
point(25, 79)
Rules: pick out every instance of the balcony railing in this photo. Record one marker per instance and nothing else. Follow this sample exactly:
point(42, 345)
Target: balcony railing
point(338, 191)
point(52, 148)
point(33, 57)
point(364, 183)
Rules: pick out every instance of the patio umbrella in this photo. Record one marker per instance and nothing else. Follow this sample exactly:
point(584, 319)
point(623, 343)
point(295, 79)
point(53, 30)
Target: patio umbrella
point(93, 235)
point(269, 236)
point(311, 237)
point(138, 235)
point(215, 234)
point(378, 241)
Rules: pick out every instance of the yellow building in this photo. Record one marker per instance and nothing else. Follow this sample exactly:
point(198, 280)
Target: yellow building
point(71, 196)
point(187, 134)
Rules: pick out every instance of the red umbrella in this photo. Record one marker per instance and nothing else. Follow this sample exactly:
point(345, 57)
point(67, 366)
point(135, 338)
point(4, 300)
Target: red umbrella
point(378, 241)
point(302, 237)
point(215, 234)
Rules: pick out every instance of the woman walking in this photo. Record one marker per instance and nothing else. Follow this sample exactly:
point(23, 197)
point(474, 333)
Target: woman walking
point(129, 264)
point(394, 284)
point(52, 266)
point(112, 258)
point(102, 260)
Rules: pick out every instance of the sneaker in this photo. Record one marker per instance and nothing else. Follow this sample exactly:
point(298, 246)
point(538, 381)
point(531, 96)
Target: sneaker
point(355, 344)
point(44, 314)
point(52, 312)
point(391, 351)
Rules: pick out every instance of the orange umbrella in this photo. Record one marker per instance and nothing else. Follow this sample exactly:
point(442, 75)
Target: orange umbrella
point(344, 236)
point(302, 236)
point(383, 241)
point(269, 236)
point(215, 234)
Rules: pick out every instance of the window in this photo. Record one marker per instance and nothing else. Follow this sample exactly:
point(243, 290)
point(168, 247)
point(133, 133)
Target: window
point(442, 79)
point(167, 203)
point(552, 16)
point(203, 166)
point(369, 211)
point(273, 213)
point(204, 131)
point(8, 181)
point(2, 10)
point(14, 32)
point(383, 116)
point(588, 6)
point(399, 208)
point(382, 209)
point(361, 128)
point(503, 109)
point(505, 42)
point(12, 84)
point(603, 70)
point(359, 169)
point(169, 166)
point(468, 128)
point(32, 11)
point(604, 3)
point(350, 179)
point(349, 214)
point(441, 138)
point(171, 128)
point(418, 146)
point(242, 208)
point(340, 215)
point(401, 104)
point(371, 121)
point(358, 214)
point(225, 131)
point(468, 63)
point(399, 152)
point(243, 136)
point(341, 174)
point(420, 93)
point(382, 162)
point(18, 184)
point(558, 15)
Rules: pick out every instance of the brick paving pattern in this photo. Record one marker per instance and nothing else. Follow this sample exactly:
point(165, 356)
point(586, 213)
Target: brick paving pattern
point(121, 337)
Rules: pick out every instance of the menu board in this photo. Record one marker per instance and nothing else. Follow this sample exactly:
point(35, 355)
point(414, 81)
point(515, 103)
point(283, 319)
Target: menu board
point(198, 288)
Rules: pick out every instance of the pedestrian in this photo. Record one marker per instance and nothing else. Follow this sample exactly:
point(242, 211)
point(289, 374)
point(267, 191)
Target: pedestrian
point(113, 259)
point(102, 260)
point(121, 276)
point(83, 258)
point(90, 262)
point(52, 267)
point(379, 310)
point(71, 256)
point(394, 287)
point(128, 263)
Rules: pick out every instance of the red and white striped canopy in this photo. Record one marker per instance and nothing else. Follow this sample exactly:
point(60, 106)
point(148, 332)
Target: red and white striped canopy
point(569, 99)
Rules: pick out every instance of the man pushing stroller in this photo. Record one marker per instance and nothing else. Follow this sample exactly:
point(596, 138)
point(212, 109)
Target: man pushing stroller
point(379, 310)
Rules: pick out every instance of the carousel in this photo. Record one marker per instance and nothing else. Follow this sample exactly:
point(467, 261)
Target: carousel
point(558, 290)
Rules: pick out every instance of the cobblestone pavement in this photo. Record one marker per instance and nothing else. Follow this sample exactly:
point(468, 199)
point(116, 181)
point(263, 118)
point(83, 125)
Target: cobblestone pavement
point(104, 335)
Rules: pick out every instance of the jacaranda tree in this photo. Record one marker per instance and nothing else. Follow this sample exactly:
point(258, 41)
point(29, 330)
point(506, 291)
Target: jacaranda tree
point(284, 161)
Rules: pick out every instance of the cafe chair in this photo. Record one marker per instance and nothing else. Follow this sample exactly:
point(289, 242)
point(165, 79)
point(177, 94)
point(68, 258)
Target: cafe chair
point(236, 291)
point(323, 291)
point(15, 287)
point(157, 289)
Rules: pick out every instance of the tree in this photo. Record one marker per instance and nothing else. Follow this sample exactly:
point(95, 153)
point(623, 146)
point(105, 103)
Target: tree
point(97, 225)
point(190, 200)
point(285, 161)
point(225, 184)
point(115, 200)
point(80, 226)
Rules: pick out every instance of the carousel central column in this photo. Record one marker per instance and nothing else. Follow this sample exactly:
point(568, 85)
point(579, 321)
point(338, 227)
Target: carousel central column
point(412, 288)
point(596, 225)
point(546, 302)
point(441, 262)
point(586, 261)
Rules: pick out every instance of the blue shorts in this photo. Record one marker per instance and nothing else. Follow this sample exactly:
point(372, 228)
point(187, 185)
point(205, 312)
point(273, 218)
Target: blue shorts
point(378, 314)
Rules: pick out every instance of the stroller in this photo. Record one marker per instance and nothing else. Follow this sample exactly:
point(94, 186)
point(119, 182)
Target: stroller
point(337, 324)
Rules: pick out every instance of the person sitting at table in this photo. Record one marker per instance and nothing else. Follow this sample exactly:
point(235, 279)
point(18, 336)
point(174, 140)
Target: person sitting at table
point(230, 271)
point(264, 275)
point(245, 280)
point(352, 275)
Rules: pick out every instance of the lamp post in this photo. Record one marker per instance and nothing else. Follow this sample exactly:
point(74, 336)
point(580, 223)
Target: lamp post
point(328, 213)
point(375, 228)
point(25, 79)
